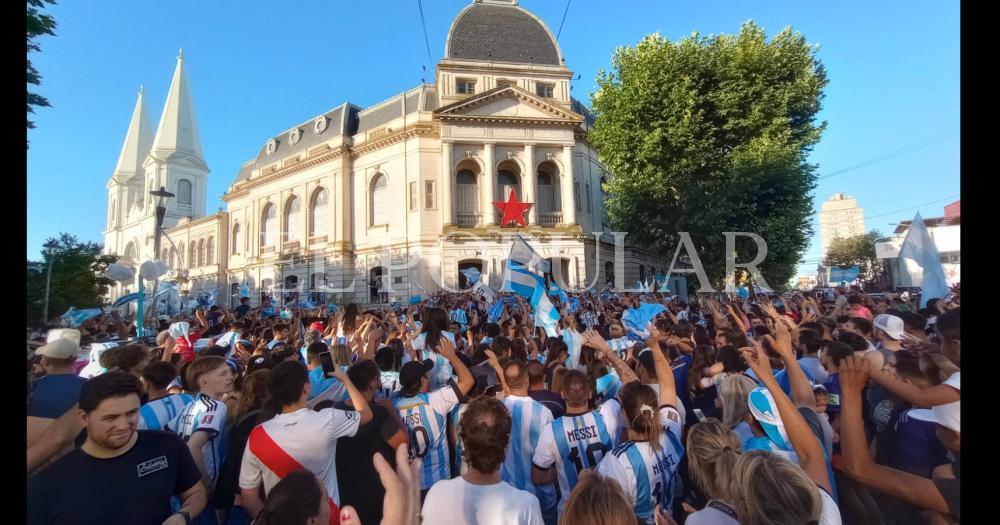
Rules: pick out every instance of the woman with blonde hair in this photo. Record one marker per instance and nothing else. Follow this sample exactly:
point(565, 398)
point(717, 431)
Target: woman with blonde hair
point(734, 392)
point(597, 500)
point(341, 356)
point(713, 451)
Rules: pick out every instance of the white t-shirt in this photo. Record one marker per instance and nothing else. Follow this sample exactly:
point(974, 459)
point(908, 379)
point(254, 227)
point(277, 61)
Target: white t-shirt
point(831, 513)
point(308, 437)
point(458, 502)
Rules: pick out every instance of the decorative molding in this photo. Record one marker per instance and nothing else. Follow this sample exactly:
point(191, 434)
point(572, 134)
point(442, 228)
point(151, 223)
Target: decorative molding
point(397, 136)
point(274, 174)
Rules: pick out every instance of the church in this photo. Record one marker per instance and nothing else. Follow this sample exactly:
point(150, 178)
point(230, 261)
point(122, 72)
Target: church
point(401, 192)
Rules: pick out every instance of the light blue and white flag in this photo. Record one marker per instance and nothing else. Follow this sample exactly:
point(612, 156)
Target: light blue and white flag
point(244, 290)
point(520, 280)
point(636, 319)
point(522, 253)
point(482, 289)
point(546, 314)
point(555, 289)
point(125, 299)
point(496, 310)
point(920, 263)
point(472, 275)
point(307, 303)
point(75, 318)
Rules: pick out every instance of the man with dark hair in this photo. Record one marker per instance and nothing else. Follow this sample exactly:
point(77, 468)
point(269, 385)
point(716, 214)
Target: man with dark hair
point(161, 406)
point(529, 419)
point(324, 387)
point(480, 496)
point(281, 331)
point(297, 437)
point(425, 412)
point(354, 453)
point(119, 474)
point(557, 456)
point(243, 309)
point(915, 325)
point(536, 390)
point(809, 344)
point(492, 332)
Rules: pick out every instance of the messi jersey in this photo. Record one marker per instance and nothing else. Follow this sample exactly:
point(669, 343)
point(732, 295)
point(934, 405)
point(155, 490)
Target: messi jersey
point(442, 371)
point(528, 419)
point(425, 416)
point(608, 385)
point(155, 414)
point(206, 415)
point(575, 443)
point(648, 476)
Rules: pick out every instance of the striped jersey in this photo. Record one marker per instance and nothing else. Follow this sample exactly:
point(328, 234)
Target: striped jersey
point(608, 385)
point(621, 345)
point(648, 476)
point(425, 416)
point(460, 465)
point(442, 371)
point(206, 415)
point(390, 385)
point(574, 344)
point(590, 319)
point(528, 419)
point(575, 443)
point(155, 414)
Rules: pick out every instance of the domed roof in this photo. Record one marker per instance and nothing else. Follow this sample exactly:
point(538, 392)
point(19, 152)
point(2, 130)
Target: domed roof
point(501, 31)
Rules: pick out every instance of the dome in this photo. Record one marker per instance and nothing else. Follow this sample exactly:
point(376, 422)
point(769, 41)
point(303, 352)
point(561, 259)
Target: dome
point(500, 31)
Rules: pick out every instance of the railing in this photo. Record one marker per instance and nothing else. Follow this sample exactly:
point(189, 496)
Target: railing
point(468, 219)
point(550, 218)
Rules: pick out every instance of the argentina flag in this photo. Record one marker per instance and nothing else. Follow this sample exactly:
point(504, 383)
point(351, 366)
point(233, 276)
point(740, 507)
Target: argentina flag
point(520, 280)
point(125, 299)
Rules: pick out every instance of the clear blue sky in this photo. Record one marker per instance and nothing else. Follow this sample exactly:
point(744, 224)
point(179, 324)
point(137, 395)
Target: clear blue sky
point(257, 68)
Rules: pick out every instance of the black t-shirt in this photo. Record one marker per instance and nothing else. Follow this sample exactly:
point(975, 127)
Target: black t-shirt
point(133, 488)
point(354, 462)
point(241, 311)
point(227, 485)
point(551, 400)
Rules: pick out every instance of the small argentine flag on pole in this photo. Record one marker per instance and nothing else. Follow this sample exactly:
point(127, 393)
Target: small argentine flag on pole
point(520, 280)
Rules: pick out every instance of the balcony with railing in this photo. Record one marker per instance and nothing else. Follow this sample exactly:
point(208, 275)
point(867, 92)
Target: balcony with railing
point(550, 218)
point(468, 219)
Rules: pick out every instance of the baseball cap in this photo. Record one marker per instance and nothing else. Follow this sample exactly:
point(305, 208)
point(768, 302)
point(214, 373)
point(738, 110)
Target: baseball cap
point(61, 348)
point(317, 326)
point(63, 333)
point(890, 324)
point(819, 387)
point(765, 411)
point(948, 415)
point(645, 358)
point(412, 372)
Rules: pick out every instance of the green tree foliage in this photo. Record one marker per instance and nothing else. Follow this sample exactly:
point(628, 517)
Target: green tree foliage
point(708, 135)
point(77, 277)
point(856, 251)
point(39, 24)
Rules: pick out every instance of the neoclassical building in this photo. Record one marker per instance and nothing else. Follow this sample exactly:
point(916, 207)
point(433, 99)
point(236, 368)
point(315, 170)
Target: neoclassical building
point(402, 190)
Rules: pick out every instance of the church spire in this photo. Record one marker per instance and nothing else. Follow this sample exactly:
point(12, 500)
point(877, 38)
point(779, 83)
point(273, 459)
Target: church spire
point(137, 144)
point(178, 129)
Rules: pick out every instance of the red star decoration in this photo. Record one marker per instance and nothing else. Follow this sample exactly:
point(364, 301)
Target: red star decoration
point(513, 210)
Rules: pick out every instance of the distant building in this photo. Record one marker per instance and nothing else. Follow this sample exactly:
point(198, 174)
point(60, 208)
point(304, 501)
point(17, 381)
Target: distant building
point(806, 282)
point(840, 217)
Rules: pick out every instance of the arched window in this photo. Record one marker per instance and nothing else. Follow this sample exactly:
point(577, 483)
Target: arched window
point(267, 237)
point(236, 238)
point(193, 255)
point(609, 272)
point(130, 251)
point(548, 189)
point(201, 252)
point(467, 197)
point(319, 214)
point(163, 255)
point(642, 272)
point(508, 180)
point(293, 220)
point(210, 251)
point(170, 257)
point(184, 192)
point(180, 255)
point(379, 200)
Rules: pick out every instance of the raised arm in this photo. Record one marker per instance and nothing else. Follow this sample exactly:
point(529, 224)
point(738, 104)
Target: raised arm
point(807, 447)
point(357, 398)
point(802, 392)
point(858, 463)
point(594, 339)
point(465, 379)
point(664, 374)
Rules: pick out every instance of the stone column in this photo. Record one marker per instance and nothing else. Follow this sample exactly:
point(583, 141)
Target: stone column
point(566, 187)
point(489, 181)
point(447, 179)
point(528, 183)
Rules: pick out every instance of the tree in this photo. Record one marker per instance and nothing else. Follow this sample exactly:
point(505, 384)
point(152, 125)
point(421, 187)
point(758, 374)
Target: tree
point(38, 24)
point(856, 251)
point(708, 135)
point(77, 277)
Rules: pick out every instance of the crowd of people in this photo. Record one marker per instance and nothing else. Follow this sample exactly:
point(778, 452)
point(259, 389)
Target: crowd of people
point(642, 408)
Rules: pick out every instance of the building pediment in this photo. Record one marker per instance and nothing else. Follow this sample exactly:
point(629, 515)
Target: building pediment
point(507, 104)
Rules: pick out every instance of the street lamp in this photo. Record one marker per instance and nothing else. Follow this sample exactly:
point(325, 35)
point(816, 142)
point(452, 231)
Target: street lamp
point(50, 254)
point(161, 212)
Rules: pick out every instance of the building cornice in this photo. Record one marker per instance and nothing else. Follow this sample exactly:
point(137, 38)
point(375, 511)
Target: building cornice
point(407, 132)
point(316, 160)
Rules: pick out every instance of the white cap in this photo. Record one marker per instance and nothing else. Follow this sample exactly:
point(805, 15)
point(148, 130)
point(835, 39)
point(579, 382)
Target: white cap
point(61, 348)
point(890, 324)
point(949, 415)
point(63, 333)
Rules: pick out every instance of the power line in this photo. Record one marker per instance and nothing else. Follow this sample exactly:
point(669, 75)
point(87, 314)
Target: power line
point(423, 24)
point(887, 156)
point(563, 19)
point(913, 207)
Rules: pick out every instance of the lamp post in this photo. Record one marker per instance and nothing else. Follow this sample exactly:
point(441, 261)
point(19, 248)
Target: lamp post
point(161, 212)
point(50, 253)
